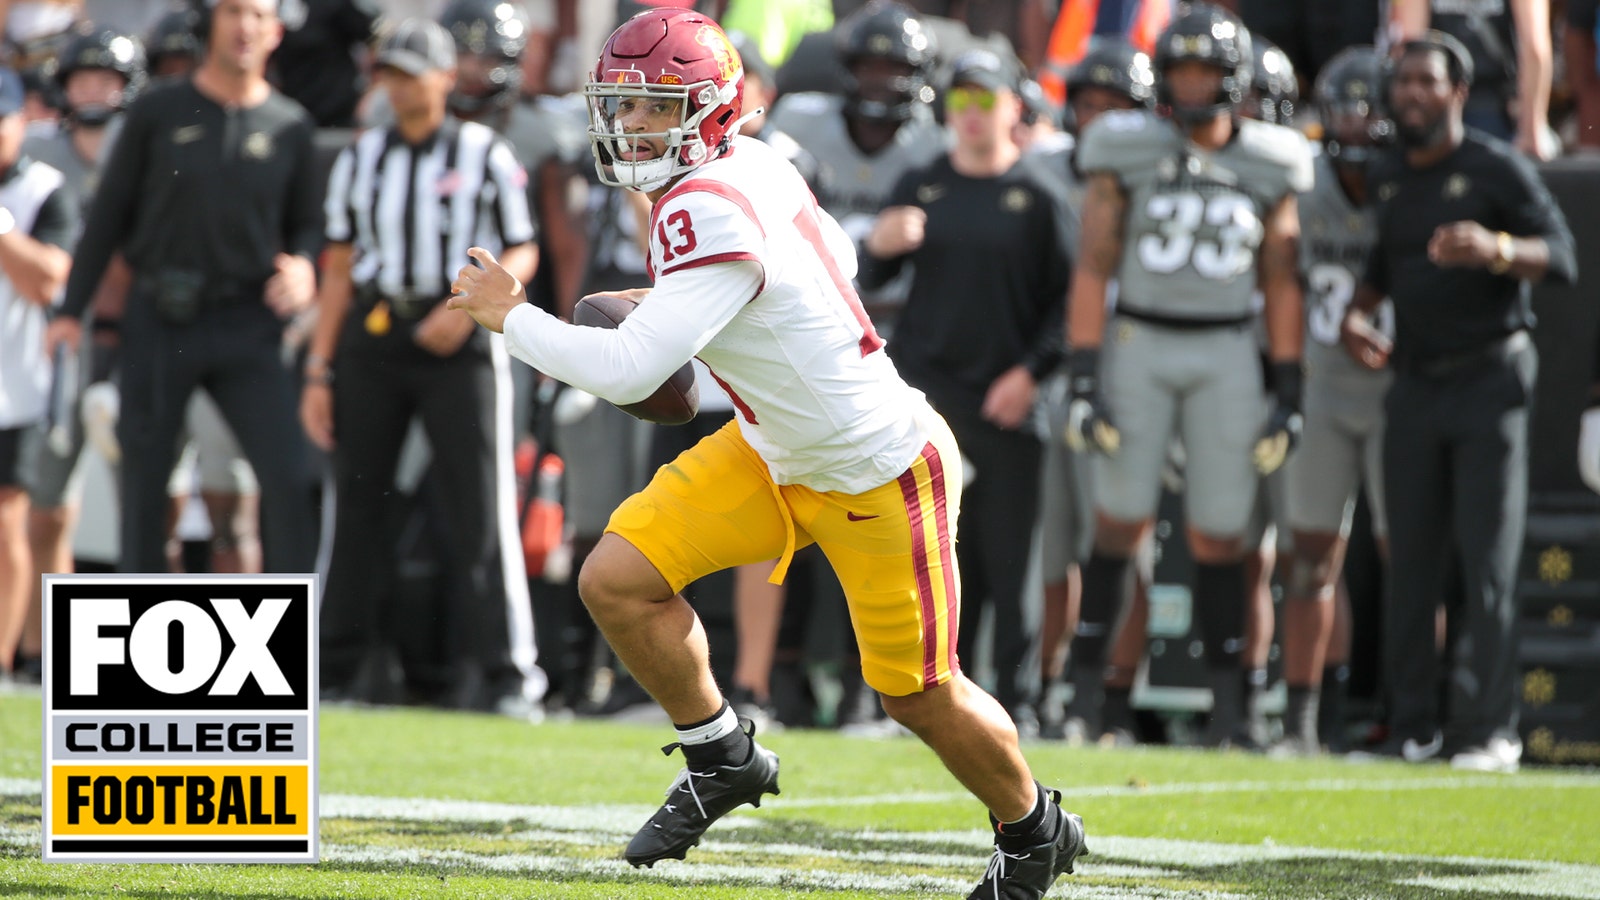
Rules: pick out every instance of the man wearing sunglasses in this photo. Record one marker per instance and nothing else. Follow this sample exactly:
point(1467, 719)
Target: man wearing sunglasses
point(987, 234)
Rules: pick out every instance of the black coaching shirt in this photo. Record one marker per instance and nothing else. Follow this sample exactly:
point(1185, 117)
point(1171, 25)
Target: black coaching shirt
point(1444, 312)
point(412, 212)
point(990, 286)
point(197, 186)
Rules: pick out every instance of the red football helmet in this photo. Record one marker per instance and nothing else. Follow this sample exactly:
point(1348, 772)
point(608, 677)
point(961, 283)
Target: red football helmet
point(672, 54)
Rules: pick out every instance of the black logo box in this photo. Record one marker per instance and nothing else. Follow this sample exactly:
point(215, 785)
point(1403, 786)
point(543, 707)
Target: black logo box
point(120, 687)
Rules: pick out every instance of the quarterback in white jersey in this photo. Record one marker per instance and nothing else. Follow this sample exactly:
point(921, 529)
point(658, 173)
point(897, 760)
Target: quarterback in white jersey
point(829, 447)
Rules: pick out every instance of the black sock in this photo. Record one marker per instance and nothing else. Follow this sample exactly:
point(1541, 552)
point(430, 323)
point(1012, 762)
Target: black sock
point(732, 749)
point(1034, 828)
point(1227, 705)
point(1300, 715)
point(1219, 603)
point(1119, 710)
point(1105, 586)
point(1331, 714)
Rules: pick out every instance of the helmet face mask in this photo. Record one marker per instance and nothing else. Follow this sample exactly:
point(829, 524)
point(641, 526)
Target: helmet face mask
point(1115, 66)
point(677, 71)
point(101, 51)
point(1349, 98)
point(880, 38)
point(490, 37)
point(1275, 90)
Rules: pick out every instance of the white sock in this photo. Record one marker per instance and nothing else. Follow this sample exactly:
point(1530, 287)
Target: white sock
point(722, 725)
point(1037, 799)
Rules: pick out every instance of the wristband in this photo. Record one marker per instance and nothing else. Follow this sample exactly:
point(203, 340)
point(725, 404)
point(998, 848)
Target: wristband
point(1505, 253)
point(1288, 380)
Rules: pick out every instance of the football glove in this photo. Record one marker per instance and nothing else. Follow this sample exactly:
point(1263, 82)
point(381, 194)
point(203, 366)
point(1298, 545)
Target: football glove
point(1282, 432)
point(1089, 424)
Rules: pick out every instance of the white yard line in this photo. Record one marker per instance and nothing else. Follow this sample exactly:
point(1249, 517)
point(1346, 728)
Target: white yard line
point(1150, 859)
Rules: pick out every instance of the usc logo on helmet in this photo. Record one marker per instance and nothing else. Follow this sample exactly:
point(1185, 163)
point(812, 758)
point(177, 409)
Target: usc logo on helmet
point(727, 58)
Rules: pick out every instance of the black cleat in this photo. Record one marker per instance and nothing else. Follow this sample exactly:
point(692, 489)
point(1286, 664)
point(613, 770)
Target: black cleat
point(1028, 873)
point(697, 799)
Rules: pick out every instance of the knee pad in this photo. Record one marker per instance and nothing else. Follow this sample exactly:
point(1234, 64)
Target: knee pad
point(1305, 581)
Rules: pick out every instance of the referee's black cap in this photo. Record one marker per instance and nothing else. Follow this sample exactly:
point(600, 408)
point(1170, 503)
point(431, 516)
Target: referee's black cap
point(416, 46)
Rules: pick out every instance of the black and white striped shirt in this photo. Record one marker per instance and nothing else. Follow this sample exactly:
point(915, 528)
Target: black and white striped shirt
point(412, 212)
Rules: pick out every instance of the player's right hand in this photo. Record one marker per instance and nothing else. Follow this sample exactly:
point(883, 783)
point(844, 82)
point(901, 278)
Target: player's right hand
point(1089, 425)
point(897, 231)
point(1365, 343)
point(316, 413)
point(62, 330)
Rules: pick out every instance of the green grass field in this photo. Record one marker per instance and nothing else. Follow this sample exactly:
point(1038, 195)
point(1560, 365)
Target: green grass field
point(429, 804)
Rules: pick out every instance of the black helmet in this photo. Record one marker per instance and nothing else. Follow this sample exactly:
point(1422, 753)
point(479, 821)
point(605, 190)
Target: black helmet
point(497, 33)
point(1212, 35)
point(1115, 65)
point(1351, 83)
point(175, 34)
point(886, 30)
point(1276, 89)
point(102, 49)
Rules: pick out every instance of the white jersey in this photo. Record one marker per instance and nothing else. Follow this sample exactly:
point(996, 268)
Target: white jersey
point(24, 368)
point(816, 395)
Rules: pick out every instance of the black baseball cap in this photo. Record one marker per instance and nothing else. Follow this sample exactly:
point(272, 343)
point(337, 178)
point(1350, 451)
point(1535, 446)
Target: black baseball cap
point(416, 46)
point(984, 69)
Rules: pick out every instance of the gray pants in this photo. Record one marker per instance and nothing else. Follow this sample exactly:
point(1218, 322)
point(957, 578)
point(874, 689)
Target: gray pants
point(1341, 450)
point(1066, 515)
point(1200, 385)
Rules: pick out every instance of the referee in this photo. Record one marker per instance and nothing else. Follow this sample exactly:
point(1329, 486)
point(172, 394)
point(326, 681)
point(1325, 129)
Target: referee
point(210, 194)
point(1463, 225)
point(404, 203)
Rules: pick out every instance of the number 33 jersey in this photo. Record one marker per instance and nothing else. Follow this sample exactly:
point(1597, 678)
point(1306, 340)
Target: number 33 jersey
point(1194, 217)
point(816, 395)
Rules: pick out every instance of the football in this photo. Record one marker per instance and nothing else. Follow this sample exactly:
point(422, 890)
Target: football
point(675, 402)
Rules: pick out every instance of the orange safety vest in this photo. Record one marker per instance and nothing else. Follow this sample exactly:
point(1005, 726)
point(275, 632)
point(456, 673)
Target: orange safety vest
point(1069, 39)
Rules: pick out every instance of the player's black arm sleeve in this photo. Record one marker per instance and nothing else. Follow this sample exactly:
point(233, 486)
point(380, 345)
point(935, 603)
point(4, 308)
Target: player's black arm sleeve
point(115, 202)
point(871, 272)
point(303, 222)
point(1534, 216)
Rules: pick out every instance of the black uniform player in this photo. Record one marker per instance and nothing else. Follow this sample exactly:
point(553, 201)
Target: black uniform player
point(1464, 224)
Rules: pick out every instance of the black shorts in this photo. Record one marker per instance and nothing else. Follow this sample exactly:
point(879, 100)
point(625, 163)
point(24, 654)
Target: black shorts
point(12, 441)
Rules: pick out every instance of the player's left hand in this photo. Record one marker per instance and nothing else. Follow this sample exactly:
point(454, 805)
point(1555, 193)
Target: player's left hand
point(488, 294)
point(1010, 398)
point(442, 331)
point(1282, 432)
point(1277, 440)
point(1462, 245)
point(292, 286)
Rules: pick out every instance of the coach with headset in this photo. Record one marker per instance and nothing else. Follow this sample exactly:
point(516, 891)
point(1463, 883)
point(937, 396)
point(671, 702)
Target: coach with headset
point(1463, 225)
point(211, 194)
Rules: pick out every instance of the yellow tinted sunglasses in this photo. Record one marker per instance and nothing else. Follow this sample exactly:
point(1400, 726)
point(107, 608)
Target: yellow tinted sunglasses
point(962, 99)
